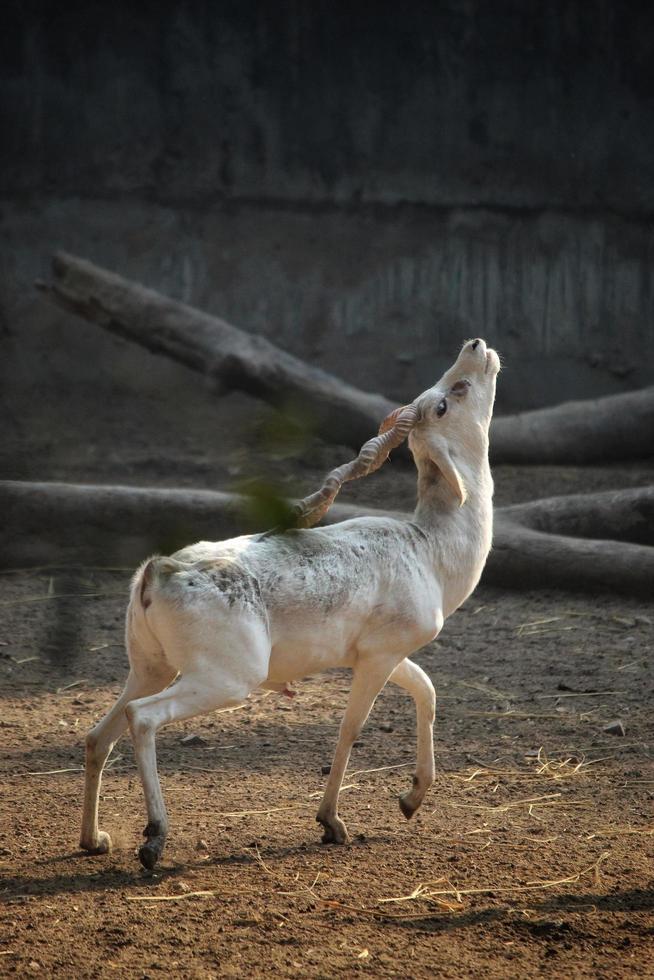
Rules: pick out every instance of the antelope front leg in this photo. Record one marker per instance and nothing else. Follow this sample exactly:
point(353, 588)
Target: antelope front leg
point(413, 679)
point(367, 682)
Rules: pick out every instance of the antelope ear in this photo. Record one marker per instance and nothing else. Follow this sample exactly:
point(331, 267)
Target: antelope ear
point(440, 457)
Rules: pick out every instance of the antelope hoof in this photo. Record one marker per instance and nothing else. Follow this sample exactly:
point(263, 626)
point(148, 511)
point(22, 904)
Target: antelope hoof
point(335, 831)
point(407, 807)
point(150, 852)
point(102, 844)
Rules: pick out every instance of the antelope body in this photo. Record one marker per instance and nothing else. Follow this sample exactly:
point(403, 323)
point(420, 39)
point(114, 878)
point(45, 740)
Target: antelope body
point(216, 620)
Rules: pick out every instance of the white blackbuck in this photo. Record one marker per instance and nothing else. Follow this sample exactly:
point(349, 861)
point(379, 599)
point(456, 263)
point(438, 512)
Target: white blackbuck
point(217, 620)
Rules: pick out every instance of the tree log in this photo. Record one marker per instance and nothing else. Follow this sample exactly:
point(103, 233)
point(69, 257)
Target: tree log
point(339, 412)
point(78, 523)
point(69, 524)
point(588, 542)
point(83, 523)
point(611, 428)
point(617, 515)
point(595, 430)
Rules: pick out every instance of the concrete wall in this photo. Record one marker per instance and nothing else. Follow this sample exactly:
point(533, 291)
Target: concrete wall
point(512, 103)
point(367, 184)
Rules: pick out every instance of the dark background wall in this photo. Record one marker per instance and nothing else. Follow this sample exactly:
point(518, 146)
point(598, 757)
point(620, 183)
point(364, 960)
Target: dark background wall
point(365, 183)
point(507, 104)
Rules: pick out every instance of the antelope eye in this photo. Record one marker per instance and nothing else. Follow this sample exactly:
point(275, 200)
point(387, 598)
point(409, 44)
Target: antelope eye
point(441, 408)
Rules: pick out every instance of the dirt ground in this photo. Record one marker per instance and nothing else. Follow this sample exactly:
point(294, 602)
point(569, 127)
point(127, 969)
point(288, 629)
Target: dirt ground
point(533, 853)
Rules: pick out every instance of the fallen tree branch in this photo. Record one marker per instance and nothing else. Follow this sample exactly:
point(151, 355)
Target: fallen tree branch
point(588, 542)
point(617, 515)
point(595, 430)
point(610, 428)
point(78, 524)
point(231, 357)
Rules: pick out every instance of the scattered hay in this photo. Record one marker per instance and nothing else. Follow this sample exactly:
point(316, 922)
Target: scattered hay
point(581, 694)
point(263, 813)
point(63, 595)
point(320, 792)
point(536, 622)
point(65, 568)
point(268, 870)
point(510, 713)
point(529, 846)
point(549, 799)
point(55, 772)
point(68, 687)
point(567, 768)
point(363, 772)
point(490, 692)
point(51, 772)
point(551, 629)
point(170, 898)
point(622, 832)
point(423, 891)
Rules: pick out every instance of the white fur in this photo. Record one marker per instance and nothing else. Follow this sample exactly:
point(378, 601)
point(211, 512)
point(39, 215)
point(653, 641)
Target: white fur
point(217, 620)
